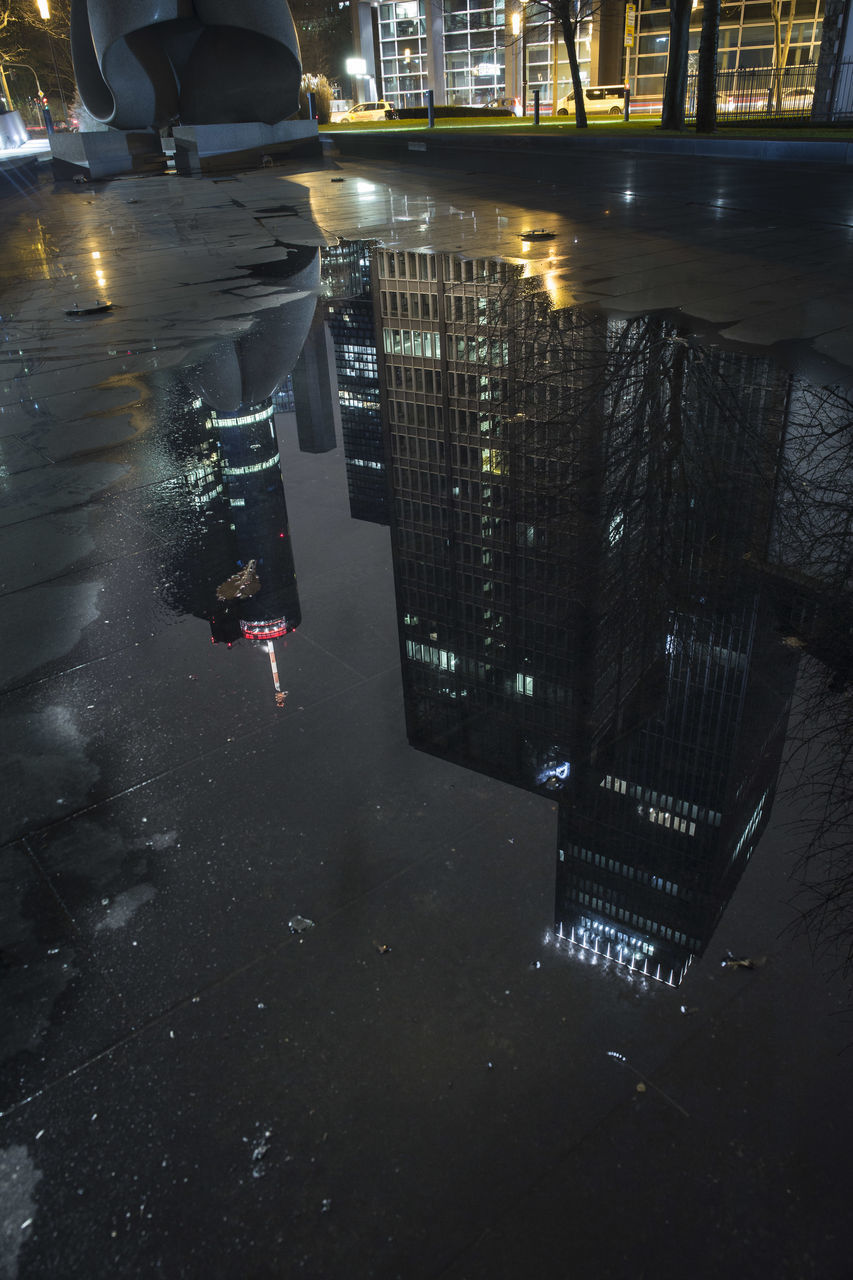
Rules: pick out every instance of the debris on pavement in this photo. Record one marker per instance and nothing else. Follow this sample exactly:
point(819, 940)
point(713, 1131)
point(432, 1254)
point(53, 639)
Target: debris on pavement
point(259, 1153)
point(382, 948)
point(299, 924)
point(730, 961)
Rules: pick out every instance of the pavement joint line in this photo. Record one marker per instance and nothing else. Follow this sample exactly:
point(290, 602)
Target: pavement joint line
point(222, 979)
point(59, 578)
point(64, 818)
point(58, 675)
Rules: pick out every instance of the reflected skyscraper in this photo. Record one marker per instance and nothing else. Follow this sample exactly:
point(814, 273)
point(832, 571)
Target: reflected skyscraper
point(349, 309)
point(236, 559)
point(575, 499)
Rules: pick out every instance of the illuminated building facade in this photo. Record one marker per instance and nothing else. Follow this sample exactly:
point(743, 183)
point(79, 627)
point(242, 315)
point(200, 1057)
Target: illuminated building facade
point(573, 498)
point(746, 39)
point(468, 51)
point(251, 473)
point(349, 312)
point(239, 545)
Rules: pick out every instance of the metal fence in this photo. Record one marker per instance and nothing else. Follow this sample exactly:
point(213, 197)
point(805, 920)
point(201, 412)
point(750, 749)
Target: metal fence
point(760, 93)
point(840, 98)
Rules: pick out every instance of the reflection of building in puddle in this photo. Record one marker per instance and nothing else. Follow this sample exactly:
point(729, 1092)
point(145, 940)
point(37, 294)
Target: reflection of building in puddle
point(573, 499)
point(349, 311)
point(236, 559)
point(265, 606)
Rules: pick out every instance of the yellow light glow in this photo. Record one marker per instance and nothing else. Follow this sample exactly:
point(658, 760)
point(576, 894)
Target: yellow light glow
point(516, 23)
point(96, 254)
point(44, 9)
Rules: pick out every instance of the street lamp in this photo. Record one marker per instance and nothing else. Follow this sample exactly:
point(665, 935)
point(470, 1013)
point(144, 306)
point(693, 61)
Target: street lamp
point(519, 26)
point(27, 67)
point(44, 13)
point(41, 100)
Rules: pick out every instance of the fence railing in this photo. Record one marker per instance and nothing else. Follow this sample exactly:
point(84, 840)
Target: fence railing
point(753, 93)
point(840, 104)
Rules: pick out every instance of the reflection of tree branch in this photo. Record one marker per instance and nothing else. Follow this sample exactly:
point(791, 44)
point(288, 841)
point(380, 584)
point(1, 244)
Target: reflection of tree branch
point(709, 470)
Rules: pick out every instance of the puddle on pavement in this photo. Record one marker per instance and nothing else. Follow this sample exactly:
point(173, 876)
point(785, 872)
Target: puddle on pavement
point(617, 547)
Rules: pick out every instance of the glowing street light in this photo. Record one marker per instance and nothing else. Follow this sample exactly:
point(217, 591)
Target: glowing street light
point(44, 10)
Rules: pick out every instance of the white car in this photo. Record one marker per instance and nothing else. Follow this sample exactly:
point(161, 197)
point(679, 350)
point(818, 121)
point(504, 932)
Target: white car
point(599, 100)
point(366, 111)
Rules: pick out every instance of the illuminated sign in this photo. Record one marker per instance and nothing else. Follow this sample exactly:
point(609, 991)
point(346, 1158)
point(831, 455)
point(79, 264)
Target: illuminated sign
point(269, 630)
point(630, 25)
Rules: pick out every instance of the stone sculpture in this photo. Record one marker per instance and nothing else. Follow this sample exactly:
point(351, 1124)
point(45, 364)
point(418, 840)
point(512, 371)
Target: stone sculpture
point(144, 64)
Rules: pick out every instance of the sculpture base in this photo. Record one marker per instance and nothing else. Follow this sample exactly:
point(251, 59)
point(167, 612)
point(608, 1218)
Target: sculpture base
point(13, 131)
point(103, 154)
point(211, 148)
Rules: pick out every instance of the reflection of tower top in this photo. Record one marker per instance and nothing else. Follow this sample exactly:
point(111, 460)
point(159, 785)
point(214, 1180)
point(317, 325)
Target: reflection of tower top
point(249, 457)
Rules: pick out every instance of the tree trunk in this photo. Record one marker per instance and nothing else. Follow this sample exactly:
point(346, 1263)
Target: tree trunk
point(675, 90)
point(774, 98)
point(706, 87)
point(570, 26)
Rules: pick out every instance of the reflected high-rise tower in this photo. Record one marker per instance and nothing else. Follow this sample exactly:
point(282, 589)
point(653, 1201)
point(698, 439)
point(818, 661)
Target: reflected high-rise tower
point(243, 576)
point(573, 501)
point(349, 309)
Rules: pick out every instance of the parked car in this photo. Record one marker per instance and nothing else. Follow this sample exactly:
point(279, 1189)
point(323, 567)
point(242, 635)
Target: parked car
point(599, 100)
point(382, 110)
point(510, 104)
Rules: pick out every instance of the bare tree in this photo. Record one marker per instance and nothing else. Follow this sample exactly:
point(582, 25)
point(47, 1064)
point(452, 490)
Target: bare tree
point(780, 48)
point(569, 15)
point(706, 84)
point(29, 41)
point(675, 89)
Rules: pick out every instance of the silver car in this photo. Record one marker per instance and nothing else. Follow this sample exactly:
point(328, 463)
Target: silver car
point(599, 100)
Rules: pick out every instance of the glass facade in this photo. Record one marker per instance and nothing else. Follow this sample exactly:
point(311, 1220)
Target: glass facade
point(349, 309)
point(546, 60)
point(574, 613)
point(403, 51)
point(746, 39)
point(474, 51)
point(469, 52)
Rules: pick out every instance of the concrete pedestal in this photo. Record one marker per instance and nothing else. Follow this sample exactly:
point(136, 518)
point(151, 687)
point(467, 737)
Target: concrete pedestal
point(13, 131)
point(105, 153)
point(207, 148)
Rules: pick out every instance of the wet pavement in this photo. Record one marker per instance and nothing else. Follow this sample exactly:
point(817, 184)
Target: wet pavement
point(419, 1084)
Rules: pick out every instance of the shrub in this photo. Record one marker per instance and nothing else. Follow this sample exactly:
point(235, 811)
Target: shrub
point(323, 94)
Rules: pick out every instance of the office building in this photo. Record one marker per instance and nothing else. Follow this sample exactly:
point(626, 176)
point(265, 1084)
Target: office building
point(469, 54)
point(349, 314)
point(573, 501)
